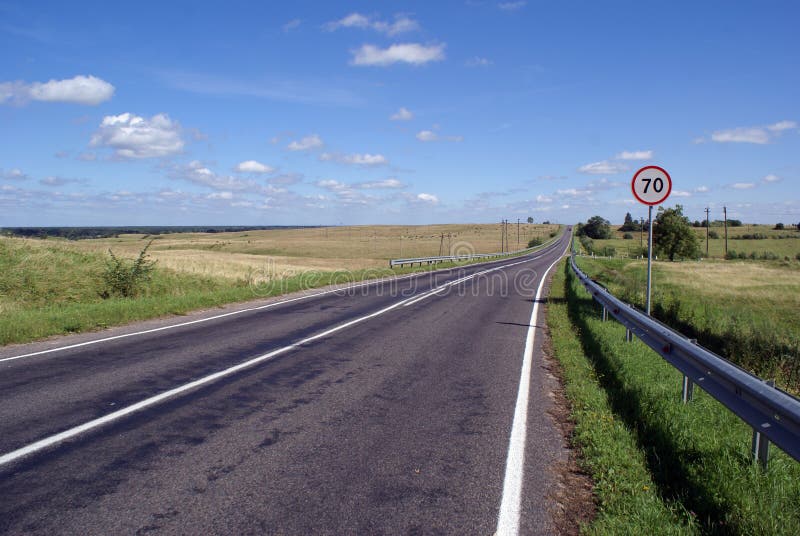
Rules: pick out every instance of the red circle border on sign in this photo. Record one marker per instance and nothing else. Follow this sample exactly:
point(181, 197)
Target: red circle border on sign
point(669, 190)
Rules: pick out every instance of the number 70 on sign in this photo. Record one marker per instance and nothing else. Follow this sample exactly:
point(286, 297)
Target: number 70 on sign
point(651, 185)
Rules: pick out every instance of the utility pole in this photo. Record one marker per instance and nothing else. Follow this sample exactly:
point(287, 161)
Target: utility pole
point(441, 245)
point(502, 236)
point(725, 215)
point(708, 224)
point(517, 233)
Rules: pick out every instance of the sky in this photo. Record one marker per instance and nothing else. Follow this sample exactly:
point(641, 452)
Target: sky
point(329, 113)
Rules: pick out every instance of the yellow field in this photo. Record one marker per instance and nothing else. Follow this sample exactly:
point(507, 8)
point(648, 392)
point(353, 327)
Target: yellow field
point(262, 254)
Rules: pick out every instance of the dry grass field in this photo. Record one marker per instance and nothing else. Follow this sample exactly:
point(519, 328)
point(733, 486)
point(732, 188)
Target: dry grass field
point(245, 254)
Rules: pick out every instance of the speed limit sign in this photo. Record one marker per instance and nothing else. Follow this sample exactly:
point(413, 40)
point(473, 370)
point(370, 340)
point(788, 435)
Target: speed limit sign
point(651, 185)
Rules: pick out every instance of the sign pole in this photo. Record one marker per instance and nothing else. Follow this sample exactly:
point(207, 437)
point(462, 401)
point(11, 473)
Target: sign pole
point(651, 186)
point(649, 254)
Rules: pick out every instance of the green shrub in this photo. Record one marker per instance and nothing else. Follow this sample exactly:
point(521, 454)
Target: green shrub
point(535, 241)
point(713, 234)
point(125, 278)
point(627, 236)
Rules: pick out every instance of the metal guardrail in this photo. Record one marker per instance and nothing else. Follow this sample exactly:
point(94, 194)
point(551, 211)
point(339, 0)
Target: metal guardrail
point(772, 413)
point(470, 256)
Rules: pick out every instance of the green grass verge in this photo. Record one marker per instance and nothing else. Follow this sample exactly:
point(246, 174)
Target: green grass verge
point(659, 467)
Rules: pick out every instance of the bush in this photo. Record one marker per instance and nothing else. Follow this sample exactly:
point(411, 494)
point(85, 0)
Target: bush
point(533, 242)
point(627, 236)
point(588, 244)
point(753, 236)
point(731, 255)
point(713, 234)
point(608, 251)
point(779, 227)
point(553, 234)
point(125, 278)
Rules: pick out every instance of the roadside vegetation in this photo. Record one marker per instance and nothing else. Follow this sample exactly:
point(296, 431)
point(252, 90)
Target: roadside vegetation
point(745, 242)
point(744, 311)
point(55, 286)
point(658, 466)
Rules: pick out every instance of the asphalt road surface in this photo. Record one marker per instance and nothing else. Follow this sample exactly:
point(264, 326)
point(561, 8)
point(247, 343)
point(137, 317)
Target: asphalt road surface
point(414, 406)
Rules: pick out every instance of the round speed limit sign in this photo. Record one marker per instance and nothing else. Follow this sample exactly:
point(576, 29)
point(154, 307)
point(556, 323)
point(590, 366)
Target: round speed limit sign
point(651, 185)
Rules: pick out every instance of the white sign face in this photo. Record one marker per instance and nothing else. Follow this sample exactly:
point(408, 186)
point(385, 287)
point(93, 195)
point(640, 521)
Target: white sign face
point(651, 185)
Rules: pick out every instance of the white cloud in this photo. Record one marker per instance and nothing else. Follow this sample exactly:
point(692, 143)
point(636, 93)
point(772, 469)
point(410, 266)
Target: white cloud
point(780, 126)
point(681, 193)
point(604, 167)
point(702, 189)
point(757, 135)
point(309, 142)
point(220, 195)
point(412, 53)
point(390, 183)
point(574, 192)
point(772, 178)
point(132, 136)
point(478, 61)
point(88, 90)
point(543, 199)
point(743, 185)
point(635, 155)
point(429, 135)
point(403, 114)
point(14, 174)
point(428, 198)
point(197, 173)
point(355, 159)
point(291, 25)
point(401, 24)
point(331, 185)
point(512, 6)
point(252, 166)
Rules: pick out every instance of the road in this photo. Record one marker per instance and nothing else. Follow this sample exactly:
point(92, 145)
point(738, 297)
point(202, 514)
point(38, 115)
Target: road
point(415, 406)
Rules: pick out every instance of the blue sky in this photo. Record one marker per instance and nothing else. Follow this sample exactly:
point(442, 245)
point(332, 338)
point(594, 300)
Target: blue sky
point(184, 113)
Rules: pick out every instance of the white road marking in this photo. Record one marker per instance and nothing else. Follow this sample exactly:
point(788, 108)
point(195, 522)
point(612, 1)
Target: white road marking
point(508, 520)
point(116, 415)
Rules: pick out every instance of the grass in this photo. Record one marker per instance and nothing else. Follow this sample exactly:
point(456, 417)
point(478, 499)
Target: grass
point(51, 287)
point(659, 467)
point(744, 311)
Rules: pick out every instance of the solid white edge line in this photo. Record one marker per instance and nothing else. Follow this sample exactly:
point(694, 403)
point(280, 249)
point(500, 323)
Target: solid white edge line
point(267, 306)
point(508, 519)
point(116, 415)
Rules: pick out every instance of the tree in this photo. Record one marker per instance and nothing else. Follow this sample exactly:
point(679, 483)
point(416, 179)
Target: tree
point(673, 236)
point(597, 227)
point(630, 224)
point(779, 227)
point(530, 219)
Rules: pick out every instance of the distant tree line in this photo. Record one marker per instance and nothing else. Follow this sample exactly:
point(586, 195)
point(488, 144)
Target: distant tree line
point(79, 233)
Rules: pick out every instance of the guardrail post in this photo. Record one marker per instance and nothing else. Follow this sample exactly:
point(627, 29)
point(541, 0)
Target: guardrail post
point(605, 314)
point(687, 389)
point(760, 444)
point(628, 335)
